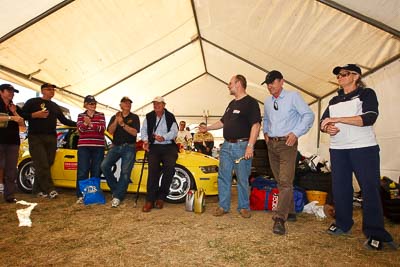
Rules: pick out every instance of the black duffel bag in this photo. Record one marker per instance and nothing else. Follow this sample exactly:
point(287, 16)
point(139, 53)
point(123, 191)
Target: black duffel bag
point(390, 199)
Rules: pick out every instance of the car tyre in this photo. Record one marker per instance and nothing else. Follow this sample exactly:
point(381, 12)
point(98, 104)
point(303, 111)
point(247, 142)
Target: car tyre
point(26, 176)
point(182, 182)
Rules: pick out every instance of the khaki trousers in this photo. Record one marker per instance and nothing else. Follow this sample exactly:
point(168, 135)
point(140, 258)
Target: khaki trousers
point(282, 159)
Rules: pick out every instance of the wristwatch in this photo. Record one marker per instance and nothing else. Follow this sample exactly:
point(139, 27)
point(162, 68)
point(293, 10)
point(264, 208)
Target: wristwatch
point(9, 117)
point(250, 145)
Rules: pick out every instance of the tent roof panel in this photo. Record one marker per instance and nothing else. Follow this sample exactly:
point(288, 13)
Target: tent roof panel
point(216, 57)
point(16, 13)
point(159, 79)
point(385, 11)
point(299, 43)
point(153, 47)
point(100, 51)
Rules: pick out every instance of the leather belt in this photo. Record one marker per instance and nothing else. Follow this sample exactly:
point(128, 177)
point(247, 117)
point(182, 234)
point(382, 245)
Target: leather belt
point(278, 138)
point(237, 140)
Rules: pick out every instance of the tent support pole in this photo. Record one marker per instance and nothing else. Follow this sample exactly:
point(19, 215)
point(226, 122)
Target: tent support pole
point(29, 77)
point(361, 17)
point(319, 125)
point(199, 34)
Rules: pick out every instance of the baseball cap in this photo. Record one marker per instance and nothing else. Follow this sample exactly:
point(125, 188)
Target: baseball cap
point(47, 85)
point(125, 98)
point(89, 99)
point(349, 67)
point(272, 76)
point(159, 99)
point(7, 86)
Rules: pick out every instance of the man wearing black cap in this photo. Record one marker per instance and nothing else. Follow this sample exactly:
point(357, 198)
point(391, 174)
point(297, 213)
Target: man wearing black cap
point(124, 126)
point(349, 121)
point(286, 118)
point(42, 114)
point(159, 131)
point(9, 141)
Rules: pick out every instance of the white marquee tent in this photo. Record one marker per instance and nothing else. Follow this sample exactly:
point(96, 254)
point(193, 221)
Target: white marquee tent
point(187, 50)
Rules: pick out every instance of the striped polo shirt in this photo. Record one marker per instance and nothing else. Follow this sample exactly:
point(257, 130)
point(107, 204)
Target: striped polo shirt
point(91, 135)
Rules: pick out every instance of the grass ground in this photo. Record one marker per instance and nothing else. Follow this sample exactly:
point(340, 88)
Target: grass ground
point(67, 234)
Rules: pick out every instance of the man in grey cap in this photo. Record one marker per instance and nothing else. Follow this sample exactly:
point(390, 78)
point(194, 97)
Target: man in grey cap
point(159, 131)
point(286, 118)
point(124, 126)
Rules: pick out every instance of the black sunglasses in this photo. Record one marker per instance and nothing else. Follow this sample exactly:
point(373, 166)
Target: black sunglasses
point(275, 105)
point(345, 74)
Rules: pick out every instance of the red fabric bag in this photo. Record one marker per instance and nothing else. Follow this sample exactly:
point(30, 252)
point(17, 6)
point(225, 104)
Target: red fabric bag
point(257, 199)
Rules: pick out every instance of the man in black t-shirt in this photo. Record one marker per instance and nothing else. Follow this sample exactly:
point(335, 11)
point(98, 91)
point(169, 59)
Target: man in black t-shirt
point(241, 127)
point(124, 126)
point(42, 115)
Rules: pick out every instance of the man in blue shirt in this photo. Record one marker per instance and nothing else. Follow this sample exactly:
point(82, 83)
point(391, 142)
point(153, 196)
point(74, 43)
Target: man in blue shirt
point(159, 131)
point(286, 118)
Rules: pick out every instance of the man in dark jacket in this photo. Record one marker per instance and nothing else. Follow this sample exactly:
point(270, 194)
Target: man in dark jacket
point(42, 114)
point(159, 131)
point(10, 121)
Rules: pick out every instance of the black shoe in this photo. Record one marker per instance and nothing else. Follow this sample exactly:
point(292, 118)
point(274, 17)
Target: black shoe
point(279, 227)
point(292, 217)
point(334, 230)
point(373, 244)
point(11, 200)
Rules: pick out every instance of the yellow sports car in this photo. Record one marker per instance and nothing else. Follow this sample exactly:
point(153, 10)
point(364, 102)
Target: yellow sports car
point(192, 171)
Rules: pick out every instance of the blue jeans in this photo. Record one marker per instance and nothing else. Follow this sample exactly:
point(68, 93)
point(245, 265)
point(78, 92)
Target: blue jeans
point(127, 154)
point(228, 154)
point(89, 161)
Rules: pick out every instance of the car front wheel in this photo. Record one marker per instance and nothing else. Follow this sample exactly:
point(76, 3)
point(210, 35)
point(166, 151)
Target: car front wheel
point(26, 176)
point(182, 182)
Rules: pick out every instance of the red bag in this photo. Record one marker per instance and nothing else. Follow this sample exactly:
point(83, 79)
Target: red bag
point(257, 199)
point(264, 199)
point(264, 195)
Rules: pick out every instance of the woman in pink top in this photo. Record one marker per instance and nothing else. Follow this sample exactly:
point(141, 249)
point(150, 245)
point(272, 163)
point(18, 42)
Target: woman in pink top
point(91, 125)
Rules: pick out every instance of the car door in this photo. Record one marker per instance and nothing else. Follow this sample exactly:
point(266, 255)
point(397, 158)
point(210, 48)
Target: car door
point(137, 172)
point(66, 161)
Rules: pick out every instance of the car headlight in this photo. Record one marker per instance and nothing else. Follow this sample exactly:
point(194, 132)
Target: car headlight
point(209, 169)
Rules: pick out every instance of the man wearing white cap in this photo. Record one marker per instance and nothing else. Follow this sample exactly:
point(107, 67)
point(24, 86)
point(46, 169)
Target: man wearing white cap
point(159, 131)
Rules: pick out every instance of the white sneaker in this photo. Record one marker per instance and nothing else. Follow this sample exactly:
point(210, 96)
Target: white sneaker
point(53, 194)
point(115, 202)
point(1, 188)
point(42, 195)
point(79, 200)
